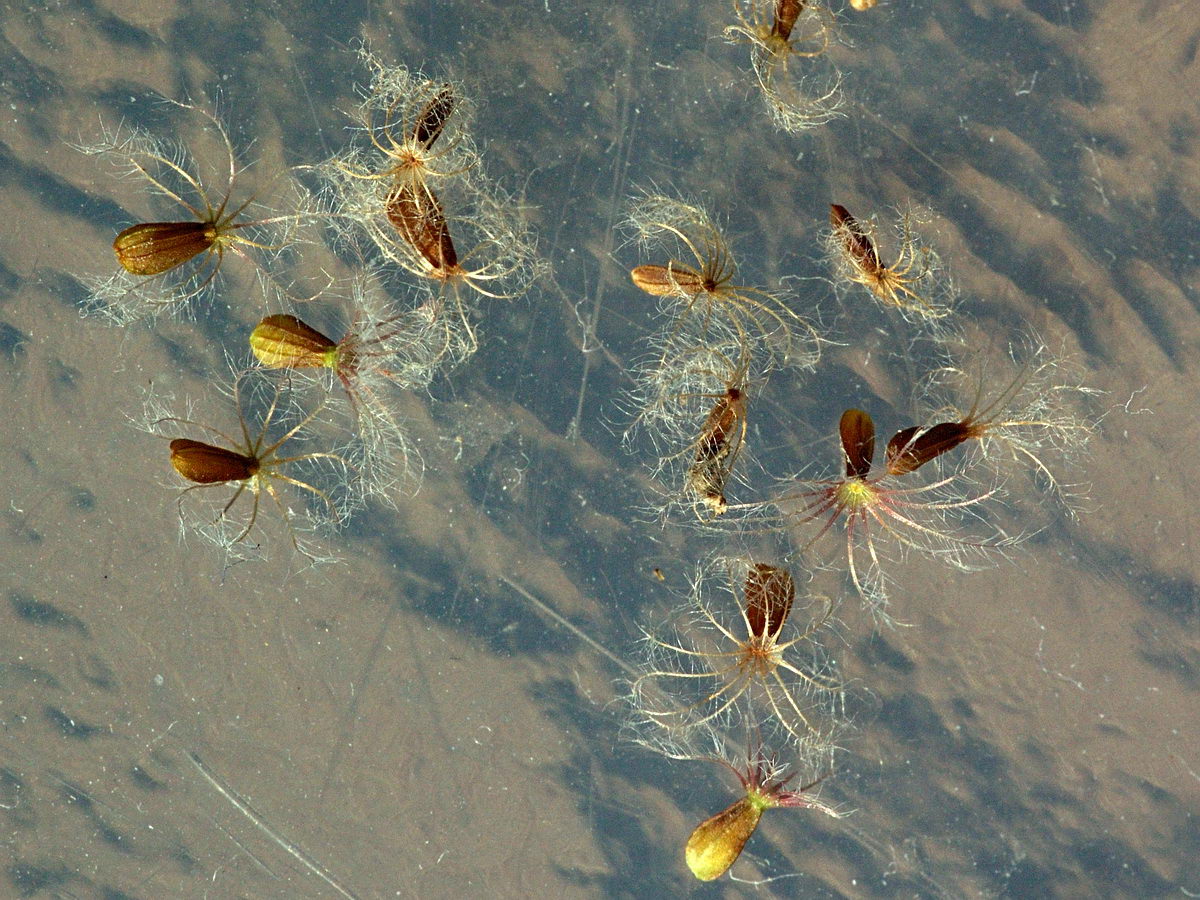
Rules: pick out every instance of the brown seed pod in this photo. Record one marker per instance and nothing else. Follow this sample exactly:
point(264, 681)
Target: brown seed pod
point(404, 115)
point(912, 447)
point(854, 238)
point(717, 449)
point(164, 264)
point(383, 349)
point(741, 651)
point(699, 290)
point(151, 248)
point(724, 428)
point(1026, 410)
point(788, 39)
point(431, 120)
point(858, 442)
point(661, 281)
point(786, 14)
point(254, 465)
point(208, 464)
point(909, 284)
point(770, 592)
point(416, 213)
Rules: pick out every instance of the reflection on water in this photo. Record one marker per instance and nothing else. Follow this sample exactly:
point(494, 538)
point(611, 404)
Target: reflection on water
point(407, 722)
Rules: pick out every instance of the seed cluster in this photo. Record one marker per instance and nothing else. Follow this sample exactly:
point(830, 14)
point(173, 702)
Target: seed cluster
point(407, 202)
point(741, 670)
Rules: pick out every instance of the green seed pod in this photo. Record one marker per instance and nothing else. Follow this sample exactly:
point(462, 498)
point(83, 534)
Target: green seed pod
point(284, 342)
point(717, 842)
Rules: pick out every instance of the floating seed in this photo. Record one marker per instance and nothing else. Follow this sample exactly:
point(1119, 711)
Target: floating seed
point(283, 341)
point(907, 451)
point(718, 447)
point(208, 464)
point(152, 248)
point(786, 14)
point(416, 213)
point(854, 238)
point(431, 120)
point(770, 592)
point(858, 442)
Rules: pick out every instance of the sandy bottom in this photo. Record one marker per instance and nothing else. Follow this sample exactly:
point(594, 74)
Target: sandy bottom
point(406, 722)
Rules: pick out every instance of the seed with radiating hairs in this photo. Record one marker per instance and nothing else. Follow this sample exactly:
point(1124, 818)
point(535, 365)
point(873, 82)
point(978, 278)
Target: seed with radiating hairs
point(908, 283)
point(770, 593)
point(254, 464)
point(854, 238)
point(697, 282)
point(416, 213)
point(717, 842)
point(164, 264)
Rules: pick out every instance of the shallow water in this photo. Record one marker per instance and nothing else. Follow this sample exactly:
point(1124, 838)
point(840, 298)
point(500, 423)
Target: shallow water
point(407, 722)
